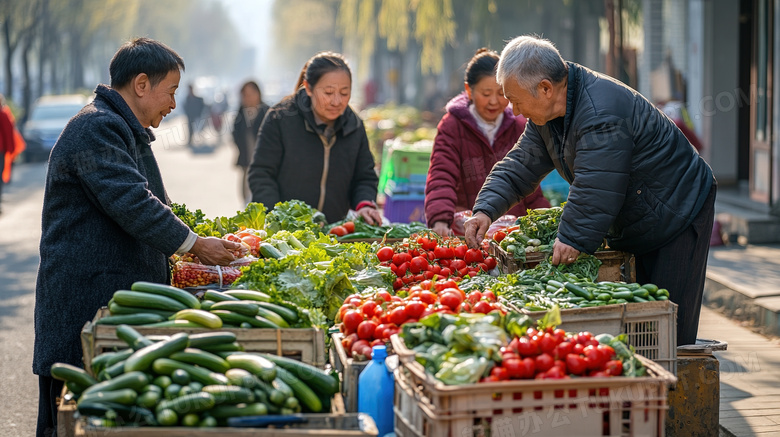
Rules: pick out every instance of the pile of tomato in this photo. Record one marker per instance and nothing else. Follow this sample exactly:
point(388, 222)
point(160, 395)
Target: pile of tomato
point(425, 257)
point(555, 354)
point(370, 320)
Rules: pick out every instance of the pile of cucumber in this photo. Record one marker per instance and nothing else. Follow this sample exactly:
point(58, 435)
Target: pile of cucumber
point(163, 306)
point(192, 380)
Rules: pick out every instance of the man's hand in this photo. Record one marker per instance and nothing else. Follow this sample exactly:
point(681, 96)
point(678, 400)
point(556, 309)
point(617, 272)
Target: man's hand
point(442, 228)
point(214, 251)
point(563, 253)
point(475, 229)
point(370, 215)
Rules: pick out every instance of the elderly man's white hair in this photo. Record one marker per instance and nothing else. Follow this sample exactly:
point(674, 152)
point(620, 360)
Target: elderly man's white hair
point(529, 60)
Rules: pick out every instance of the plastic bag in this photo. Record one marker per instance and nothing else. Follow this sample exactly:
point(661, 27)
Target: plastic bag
point(188, 274)
point(459, 220)
point(502, 222)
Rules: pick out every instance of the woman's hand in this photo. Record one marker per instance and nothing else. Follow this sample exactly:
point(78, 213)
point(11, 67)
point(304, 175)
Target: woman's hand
point(442, 228)
point(371, 215)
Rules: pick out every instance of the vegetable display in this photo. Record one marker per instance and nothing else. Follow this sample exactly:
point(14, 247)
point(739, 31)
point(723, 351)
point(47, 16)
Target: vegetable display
point(534, 232)
point(347, 230)
point(173, 382)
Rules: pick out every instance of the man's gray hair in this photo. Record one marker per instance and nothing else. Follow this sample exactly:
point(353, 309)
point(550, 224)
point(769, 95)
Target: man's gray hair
point(529, 60)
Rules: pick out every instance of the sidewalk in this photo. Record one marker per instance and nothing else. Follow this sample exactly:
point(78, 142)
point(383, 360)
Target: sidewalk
point(744, 283)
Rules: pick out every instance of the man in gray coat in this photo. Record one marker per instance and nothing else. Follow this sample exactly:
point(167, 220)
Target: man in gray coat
point(635, 179)
point(106, 220)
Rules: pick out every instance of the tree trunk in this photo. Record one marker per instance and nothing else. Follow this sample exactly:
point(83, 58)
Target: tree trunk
point(77, 59)
point(43, 51)
point(609, 12)
point(10, 48)
point(27, 87)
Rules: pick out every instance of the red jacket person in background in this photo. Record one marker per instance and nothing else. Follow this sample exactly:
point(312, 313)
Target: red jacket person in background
point(477, 131)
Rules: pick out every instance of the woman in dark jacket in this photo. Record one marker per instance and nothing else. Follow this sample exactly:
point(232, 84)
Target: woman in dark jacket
point(313, 147)
point(246, 127)
point(477, 131)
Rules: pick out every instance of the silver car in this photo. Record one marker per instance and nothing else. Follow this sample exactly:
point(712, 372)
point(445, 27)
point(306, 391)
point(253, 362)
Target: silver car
point(48, 118)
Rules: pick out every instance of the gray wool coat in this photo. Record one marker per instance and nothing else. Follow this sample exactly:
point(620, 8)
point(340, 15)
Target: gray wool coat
point(106, 224)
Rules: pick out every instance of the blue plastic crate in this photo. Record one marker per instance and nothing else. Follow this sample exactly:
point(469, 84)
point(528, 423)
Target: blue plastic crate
point(405, 208)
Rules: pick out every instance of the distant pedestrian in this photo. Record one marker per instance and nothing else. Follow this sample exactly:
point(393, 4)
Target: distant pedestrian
point(106, 220)
point(193, 109)
point(11, 143)
point(245, 129)
point(313, 147)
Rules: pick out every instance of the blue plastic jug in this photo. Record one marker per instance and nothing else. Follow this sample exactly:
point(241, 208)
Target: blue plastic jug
point(375, 391)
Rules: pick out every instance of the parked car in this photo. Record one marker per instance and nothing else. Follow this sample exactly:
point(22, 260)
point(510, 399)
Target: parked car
point(48, 118)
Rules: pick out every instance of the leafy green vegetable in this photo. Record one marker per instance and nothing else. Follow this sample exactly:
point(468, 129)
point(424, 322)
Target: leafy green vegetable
point(253, 217)
point(364, 230)
point(291, 216)
point(191, 219)
point(541, 224)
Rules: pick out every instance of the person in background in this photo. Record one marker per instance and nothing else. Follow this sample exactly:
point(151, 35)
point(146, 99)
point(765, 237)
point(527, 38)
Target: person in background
point(106, 220)
point(11, 143)
point(245, 129)
point(635, 179)
point(313, 147)
point(477, 131)
point(193, 109)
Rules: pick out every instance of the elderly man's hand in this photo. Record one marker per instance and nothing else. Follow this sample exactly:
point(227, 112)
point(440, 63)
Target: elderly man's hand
point(475, 229)
point(442, 228)
point(372, 216)
point(563, 253)
point(214, 251)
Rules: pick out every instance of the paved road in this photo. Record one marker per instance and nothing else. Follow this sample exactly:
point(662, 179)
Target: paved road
point(203, 177)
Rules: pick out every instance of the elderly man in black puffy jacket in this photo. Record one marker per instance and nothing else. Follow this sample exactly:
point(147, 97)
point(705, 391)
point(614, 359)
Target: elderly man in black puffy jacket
point(635, 179)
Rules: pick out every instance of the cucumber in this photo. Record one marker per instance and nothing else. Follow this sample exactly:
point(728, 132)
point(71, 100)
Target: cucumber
point(68, 373)
point(175, 324)
point(227, 411)
point(258, 296)
point(292, 403)
point(148, 399)
point(125, 396)
point(290, 316)
point(305, 395)
point(166, 366)
point(652, 288)
point(172, 391)
point(661, 297)
point(272, 317)
point(245, 325)
point(604, 297)
point(139, 299)
point(143, 358)
point(131, 319)
point(190, 420)
point(227, 347)
point(242, 378)
point(208, 422)
point(269, 251)
point(191, 403)
point(261, 396)
point(256, 321)
point(162, 381)
point(230, 394)
point(201, 358)
point(185, 390)
point(578, 291)
point(112, 371)
point(180, 377)
point(205, 305)
point(167, 417)
point(283, 388)
point(622, 295)
point(277, 397)
point(262, 367)
point(166, 290)
point(639, 299)
point(133, 380)
point(75, 387)
point(124, 414)
point(641, 292)
point(99, 362)
point(200, 317)
point(217, 296)
point(211, 338)
point(245, 307)
point(132, 337)
point(195, 386)
point(117, 309)
point(319, 380)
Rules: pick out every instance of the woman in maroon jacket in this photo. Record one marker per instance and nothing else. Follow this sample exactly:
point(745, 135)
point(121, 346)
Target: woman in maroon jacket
point(477, 131)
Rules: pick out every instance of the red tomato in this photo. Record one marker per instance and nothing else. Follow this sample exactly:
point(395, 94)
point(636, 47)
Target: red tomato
point(368, 308)
point(384, 295)
point(415, 309)
point(607, 350)
point(474, 296)
point(463, 272)
point(428, 297)
point(500, 373)
point(596, 358)
point(514, 367)
point(576, 364)
point(443, 284)
point(543, 362)
point(491, 263)
point(527, 347)
point(398, 283)
point(482, 266)
point(436, 269)
point(381, 330)
point(397, 315)
point(358, 346)
point(429, 274)
point(563, 349)
point(349, 340)
point(352, 318)
point(583, 337)
point(598, 374)
point(399, 258)
point(408, 279)
point(560, 363)
point(528, 368)
point(473, 256)
point(385, 254)
point(431, 256)
point(366, 329)
point(443, 252)
point(445, 272)
point(614, 367)
point(350, 227)
point(426, 243)
point(457, 264)
point(547, 343)
point(378, 342)
point(339, 231)
point(444, 262)
point(555, 372)
point(344, 308)
point(451, 299)
point(400, 271)
point(472, 274)
point(559, 334)
point(577, 349)
point(498, 236)
point(419, 277)
point(489, 295)
point(460, 251)
point(482, 307)
point(426, 284)
point(418, 264)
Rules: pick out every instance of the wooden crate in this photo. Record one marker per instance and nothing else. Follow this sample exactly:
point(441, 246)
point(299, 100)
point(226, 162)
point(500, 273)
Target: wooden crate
point(306, 345)
point(651, 327)
point(66, 415)
point(614, 406)
point(350, 372)
point(317, 425)
point(615, 265)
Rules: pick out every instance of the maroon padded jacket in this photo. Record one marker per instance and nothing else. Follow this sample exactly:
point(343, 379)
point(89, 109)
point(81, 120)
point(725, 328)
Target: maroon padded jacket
point(462, 159)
